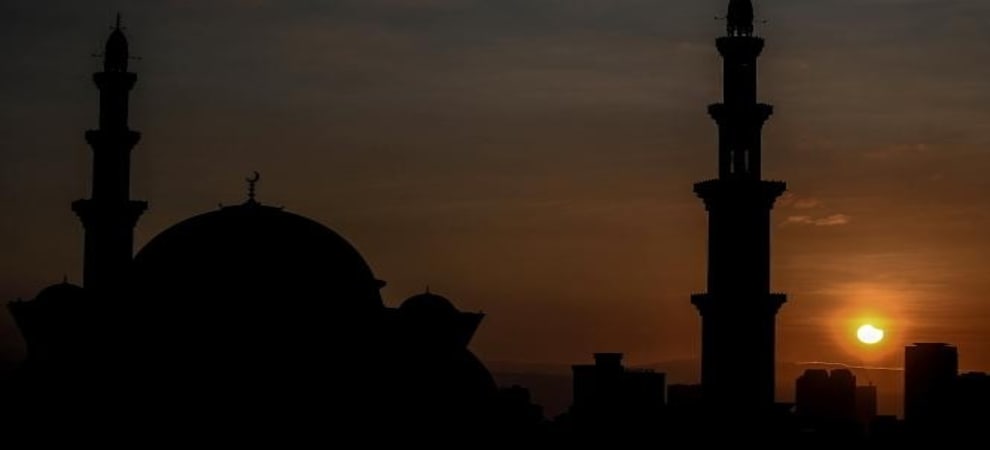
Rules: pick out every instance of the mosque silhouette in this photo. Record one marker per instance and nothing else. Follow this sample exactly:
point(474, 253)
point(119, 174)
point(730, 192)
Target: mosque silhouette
point(247, 318)
point(252, 322)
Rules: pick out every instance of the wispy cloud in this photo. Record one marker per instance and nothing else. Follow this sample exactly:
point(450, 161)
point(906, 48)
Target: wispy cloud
point(791, 200)
point(833, 220)
point(847, 366)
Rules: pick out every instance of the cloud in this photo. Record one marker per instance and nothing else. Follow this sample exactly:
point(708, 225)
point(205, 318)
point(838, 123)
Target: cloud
point(848, 366)
point(790, 200)
point(833, 220)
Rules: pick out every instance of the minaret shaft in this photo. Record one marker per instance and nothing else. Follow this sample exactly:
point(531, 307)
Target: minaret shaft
point(115, 88)
point(739, 311)
point(109, 215)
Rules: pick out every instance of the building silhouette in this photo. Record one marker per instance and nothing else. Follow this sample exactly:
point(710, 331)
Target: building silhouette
point(685, 397)
point(607, 395)
point(866, 404)
point(930, 371)
point(826, 396)
point(517, 412)
point(738, 312)
point(240, 323)
point(971, 405)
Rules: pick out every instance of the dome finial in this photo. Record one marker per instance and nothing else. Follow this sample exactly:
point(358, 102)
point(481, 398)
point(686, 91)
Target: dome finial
point(118, 25)
point(740, 18)
point(252, 186)
point(428, 289)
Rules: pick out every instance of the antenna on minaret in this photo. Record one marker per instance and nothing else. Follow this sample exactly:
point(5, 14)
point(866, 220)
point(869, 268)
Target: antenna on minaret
point(252, 186)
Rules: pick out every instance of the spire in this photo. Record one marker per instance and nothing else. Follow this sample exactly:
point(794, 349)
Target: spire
point(116, 55)
point(740, 18)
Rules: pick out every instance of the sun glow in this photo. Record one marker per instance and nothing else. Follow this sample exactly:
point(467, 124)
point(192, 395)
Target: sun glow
point(869, 334)
point(879, 305)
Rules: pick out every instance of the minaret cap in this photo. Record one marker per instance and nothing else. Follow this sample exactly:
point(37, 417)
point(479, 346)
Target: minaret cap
point(740, 18)
point(116, 55)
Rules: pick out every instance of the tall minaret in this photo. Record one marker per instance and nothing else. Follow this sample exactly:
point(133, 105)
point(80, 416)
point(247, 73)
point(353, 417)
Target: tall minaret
point(109, 215)
point(738, 313)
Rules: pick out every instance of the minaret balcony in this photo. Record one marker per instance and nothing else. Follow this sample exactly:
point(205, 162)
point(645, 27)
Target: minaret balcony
point(720, 304)
point(754, 114)
point(112, 139)
point(739, 191)
point(94, 213)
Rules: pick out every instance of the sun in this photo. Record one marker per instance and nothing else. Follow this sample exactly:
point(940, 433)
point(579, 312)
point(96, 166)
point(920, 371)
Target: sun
point(869, 334)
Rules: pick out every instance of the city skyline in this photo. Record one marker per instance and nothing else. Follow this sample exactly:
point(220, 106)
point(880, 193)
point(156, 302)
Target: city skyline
point(523, 205)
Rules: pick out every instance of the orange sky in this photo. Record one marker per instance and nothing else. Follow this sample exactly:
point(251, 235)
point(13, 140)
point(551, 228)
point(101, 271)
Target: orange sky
point(534, 159)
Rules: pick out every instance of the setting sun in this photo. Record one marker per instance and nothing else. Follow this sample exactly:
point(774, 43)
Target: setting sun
point(869, 334)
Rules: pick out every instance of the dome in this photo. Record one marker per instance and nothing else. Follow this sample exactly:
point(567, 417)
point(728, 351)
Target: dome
point(435, 320)
point(61, 292)
point(56, 302)
point(428, 303)
point(256, 254)
point(54, 321)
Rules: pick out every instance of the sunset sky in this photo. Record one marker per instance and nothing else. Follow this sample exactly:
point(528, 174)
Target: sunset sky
point(534, 159)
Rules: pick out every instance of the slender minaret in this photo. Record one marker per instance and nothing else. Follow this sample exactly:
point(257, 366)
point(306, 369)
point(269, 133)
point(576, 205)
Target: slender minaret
point(738, 313)
point(109, 215)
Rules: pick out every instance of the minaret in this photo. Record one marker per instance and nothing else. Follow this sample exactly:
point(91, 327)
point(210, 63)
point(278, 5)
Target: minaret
point(738, 313)
point(109, 215)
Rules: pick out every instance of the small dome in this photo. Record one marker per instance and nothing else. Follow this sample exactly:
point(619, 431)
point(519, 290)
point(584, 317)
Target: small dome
point(428, 303)
point(53, 323)
point(64, 291)
point(434, 319)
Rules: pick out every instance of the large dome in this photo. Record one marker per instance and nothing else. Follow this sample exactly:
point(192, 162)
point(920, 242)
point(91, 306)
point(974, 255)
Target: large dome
point(251, 298)
point(251, 252)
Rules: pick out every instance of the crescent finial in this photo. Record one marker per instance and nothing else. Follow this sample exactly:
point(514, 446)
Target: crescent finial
point(252, 184)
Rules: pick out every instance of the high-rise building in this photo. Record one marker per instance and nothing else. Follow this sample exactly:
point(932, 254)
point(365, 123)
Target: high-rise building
point(930, 371)
point(866, 404)
point(738, 312)
point(821, 395)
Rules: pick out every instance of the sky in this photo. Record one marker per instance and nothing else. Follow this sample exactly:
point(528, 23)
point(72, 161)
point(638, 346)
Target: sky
point(534, 159)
